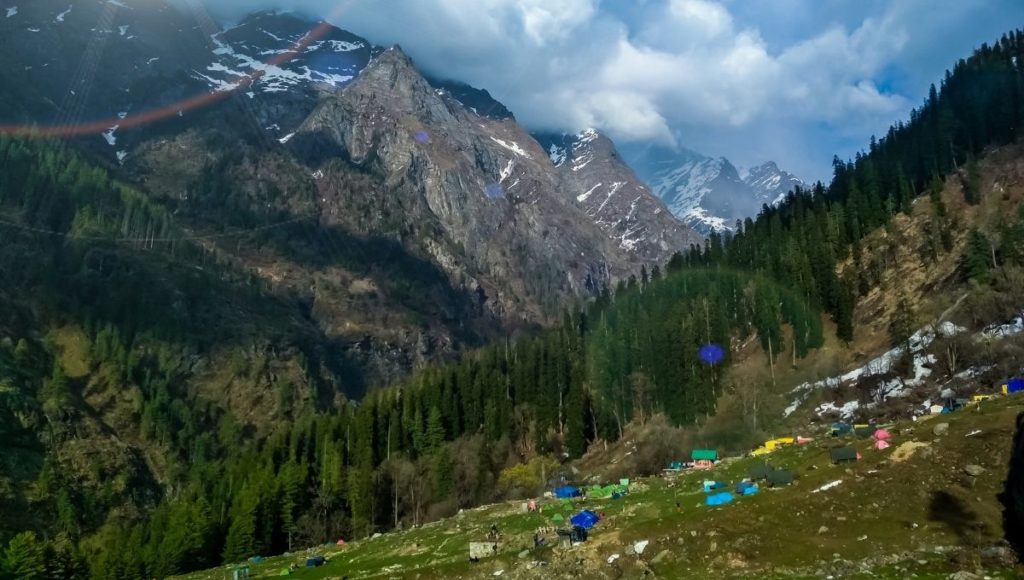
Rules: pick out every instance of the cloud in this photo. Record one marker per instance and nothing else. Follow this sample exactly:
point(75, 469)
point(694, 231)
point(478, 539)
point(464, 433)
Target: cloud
point(725, 76)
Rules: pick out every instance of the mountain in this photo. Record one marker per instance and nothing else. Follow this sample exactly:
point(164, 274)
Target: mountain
point(341, 156)
point(707, 193)
point(613, 196)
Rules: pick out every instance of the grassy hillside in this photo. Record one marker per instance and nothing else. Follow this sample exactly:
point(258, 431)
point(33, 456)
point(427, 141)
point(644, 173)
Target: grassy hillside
point(908, 510)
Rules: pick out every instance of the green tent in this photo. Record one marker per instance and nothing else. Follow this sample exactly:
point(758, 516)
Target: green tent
point(843, 455)
point(780, 478)
point(624, 483)
point(760, 471)
point(558, 518)
point(704, 455)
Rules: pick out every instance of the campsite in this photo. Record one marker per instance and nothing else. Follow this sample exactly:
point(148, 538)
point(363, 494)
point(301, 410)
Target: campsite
point(925, 506)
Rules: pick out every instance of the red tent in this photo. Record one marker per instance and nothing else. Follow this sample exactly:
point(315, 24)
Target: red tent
point(882, 435)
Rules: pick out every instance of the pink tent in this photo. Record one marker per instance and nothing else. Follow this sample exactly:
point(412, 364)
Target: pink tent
point(882, 435)
point(341, 542)
point(881, 444)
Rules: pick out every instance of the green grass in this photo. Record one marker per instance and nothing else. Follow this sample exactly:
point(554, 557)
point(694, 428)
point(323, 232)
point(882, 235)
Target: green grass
point(921, 516)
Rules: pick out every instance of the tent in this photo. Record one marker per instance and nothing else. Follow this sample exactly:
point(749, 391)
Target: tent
point(839, 429)
point(746, 488)
point(843, 455)
point(863, 431)
point(316, 562)
point(558, 518)
point(675, 466)
point(882, 435)
point(760, 471)
point(586, 519)
point(713, 485)
point(780, 478)
point(567, 491)
point(881, 444)
point(762, 450)
point(704, 455)
point(719, 499)
point(1015, 385)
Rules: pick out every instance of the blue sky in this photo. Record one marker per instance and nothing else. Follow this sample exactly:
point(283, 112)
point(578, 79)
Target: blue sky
point(795, 81)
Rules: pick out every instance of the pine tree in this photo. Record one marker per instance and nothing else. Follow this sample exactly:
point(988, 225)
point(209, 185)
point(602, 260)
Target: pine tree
point(977, 257)
point(24, 558)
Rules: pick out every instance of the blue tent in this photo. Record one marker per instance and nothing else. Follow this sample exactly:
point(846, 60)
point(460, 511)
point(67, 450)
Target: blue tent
point(719, 499)
point(713, 485)
point(567, 491)
point(1014, 386)
point(746, 488)
point(586, 519)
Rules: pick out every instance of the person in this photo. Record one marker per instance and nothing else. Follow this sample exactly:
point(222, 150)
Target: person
point(494, 533)
point(538, 540)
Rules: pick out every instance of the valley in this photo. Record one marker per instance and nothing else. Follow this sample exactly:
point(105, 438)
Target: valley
point(268, 285)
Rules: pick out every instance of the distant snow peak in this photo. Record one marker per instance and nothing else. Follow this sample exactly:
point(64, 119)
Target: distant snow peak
point(586, 136)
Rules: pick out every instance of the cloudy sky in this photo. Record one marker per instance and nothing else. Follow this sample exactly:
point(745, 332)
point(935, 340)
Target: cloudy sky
point(795, 81)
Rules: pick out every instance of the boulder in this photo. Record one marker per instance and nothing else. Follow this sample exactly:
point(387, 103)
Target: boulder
point(941, 429)
point(974, 470)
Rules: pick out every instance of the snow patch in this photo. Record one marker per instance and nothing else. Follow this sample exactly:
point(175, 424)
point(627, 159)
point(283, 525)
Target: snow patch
point(507, 171)
point(123, 29)
point(511, 146)
point(12, 11)
point(108, 135)
point(883, 364)
point(828, 486)
point(583, 197)
point(286, 138)
point(1015, 326)
point(121, 155)
point(60, 17)
point(557, 155)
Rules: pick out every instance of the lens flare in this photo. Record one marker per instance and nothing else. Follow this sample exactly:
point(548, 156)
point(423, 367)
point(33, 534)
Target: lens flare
point(711, 354)
point(180, 107)
point(494, 191)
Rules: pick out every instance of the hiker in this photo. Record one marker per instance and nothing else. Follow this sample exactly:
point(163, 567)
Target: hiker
point(494, 534)
point(538, 540)
point(531, 506)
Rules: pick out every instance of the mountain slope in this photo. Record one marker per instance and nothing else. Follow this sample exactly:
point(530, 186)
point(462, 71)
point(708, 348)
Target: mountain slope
point(611, 194)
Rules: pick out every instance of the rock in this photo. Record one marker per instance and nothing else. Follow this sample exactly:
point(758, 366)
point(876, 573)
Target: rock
point(640, 546)
point(630, 551)
point(974, 470)
point(964, 575)
point(998, 556)
point(660, 557)
point(524, 554)
point(713, 546)
point(680, 542)
point(941, 429)
point(693, 533)
point(822, 530)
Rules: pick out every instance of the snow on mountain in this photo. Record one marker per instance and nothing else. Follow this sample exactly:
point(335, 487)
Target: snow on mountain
point(275, 52)
point(611, 194)
point(708, 193)
point(771, 184)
